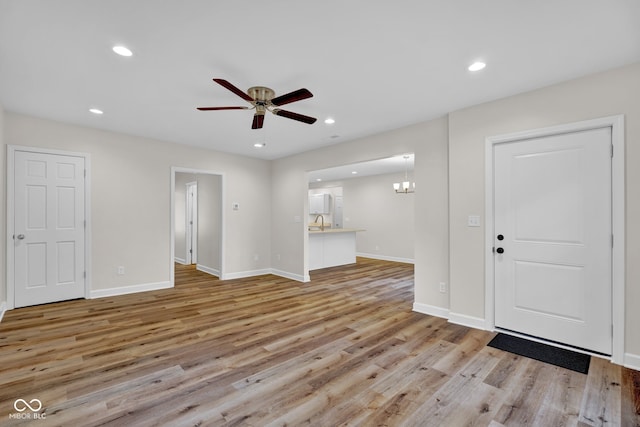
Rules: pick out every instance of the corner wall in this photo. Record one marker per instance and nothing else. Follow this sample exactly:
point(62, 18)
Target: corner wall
point(605, 94)
point(130, 201)
point(428, 141)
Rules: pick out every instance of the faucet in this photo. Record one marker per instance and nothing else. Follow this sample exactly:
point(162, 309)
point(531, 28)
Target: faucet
point(322, 221)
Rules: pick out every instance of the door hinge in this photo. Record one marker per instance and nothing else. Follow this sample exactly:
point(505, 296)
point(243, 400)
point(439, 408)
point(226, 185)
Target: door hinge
point(611, 150)
point(84, 274)
point(612, 240)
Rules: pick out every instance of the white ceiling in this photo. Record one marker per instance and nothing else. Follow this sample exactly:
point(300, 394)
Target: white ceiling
point(372, 65)
point(399, 165)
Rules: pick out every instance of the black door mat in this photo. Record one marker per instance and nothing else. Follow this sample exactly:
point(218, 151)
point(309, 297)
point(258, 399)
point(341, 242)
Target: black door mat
point(561, 357)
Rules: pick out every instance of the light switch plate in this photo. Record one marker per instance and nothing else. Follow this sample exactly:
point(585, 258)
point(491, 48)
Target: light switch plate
point(473, 221)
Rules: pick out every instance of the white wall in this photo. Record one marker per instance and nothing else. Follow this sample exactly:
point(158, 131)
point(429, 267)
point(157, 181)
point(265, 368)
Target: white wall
point(209, 223)
point(131, 179)
point(290, 202)
point(388, 218)
point(610, 93)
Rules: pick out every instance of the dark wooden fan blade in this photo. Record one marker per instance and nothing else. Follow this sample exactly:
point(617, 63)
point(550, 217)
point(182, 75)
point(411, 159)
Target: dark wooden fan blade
point(258, 121)
point(290, 97)
point(221, 108)
point(232, 88)
point(294, 116)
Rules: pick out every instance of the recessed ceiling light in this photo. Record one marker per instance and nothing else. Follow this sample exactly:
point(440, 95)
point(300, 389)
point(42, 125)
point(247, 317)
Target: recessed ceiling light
point(318, 179)
point(329, 121)
point(260, 144)
point(354, 173)
point(477, 66)
point(96, 111)
point(122, 51)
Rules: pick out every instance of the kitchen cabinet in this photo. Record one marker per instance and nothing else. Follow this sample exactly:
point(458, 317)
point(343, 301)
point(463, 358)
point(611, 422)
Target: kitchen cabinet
point(320, 204)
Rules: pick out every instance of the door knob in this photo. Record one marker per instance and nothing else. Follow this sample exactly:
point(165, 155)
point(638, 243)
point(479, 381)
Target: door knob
point(20, 236)
point(500, 250)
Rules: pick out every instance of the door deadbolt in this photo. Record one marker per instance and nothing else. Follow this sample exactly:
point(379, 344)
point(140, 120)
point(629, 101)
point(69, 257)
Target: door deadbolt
point(500, 237)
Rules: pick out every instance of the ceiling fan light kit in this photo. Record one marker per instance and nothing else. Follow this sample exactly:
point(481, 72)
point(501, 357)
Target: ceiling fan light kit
point(263, 99)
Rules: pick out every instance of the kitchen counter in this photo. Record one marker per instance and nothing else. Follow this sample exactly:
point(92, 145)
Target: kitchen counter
point(336, 230)
point(332, 247)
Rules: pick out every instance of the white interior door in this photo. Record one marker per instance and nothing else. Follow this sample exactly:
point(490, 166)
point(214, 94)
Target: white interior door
point(49, 228)
point(552, 219)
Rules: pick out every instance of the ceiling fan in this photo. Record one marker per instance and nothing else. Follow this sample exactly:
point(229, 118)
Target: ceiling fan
point(263, 99)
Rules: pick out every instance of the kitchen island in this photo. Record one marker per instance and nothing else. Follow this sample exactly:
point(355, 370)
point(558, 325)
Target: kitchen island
point(331, 247)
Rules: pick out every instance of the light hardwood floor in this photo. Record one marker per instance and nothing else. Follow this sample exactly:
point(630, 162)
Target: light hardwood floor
point(344, 349)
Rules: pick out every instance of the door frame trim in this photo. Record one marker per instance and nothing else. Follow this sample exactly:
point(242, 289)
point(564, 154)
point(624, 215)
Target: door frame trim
point(10, 276)
point(189, 227)
point(616, 123)
point(172, 219)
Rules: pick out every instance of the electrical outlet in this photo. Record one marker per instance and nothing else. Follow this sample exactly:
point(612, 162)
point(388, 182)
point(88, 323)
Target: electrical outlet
point(443, 287)
point(120, 271)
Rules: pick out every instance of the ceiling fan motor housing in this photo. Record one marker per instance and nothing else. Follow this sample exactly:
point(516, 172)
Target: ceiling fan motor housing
point(261, 94)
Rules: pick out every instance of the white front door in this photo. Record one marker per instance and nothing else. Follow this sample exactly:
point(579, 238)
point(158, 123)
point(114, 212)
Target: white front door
point(49, 228)
point(552, 220)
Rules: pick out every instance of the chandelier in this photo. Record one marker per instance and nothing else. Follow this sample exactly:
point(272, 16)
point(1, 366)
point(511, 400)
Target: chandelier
point(406, 186)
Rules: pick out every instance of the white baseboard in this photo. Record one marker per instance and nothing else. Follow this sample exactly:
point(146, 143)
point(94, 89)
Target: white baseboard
point(469, 321)
point(431, 310)
point(458, 319)
point(292, 276)
point(252, 273)
point(208, 270)
point(632, 361)
point(243, 274)
point(132, 289)
point(3, 309)
point(180, 260)
point(385, 257)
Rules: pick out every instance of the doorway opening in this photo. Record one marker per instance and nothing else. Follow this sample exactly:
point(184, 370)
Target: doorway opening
point(197, 220)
